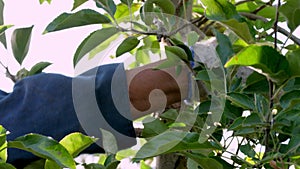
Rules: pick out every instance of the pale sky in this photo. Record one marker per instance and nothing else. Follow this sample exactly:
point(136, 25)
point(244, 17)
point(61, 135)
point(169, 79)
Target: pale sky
point(57, 47)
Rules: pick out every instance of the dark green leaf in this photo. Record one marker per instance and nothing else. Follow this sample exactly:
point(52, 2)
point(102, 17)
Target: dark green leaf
point(204, 162)
point(224, 163)
point(248, 150)
point(287, 99)
point(20, 42)
point(241, 100)
point(224, 48)
point(92, 41)
point(2, 36)
point(6, 166)
point(113, 165)
point(80, 18)
point(293, 58)
point(246, 131)
point(220, 10)
point(237, 123)
point(77, 3)
point(38, 68)
point(127, 45)
point(265, 58)
point(175, 51)
point(294, 145)
point(36, 164)
point(44, 147)
point(291, 10)
point(171, 141)
point(252, 120)
point(256, 83)
point(108, 5)
point(153, 127)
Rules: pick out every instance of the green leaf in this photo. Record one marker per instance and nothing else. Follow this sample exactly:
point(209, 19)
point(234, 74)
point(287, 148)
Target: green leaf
point(252, 120)
point(171, 141)
point(6, 166)
point(256, 83)
point(2, 36)
point(20, 42)
point(153, 127)
point(44, 147)
point(92, 41)
point(204, 162)
point(80, 18)
point(142, 56)
point(37, 164)
point(293, 58)
point(127, 2)
point(42, 1)
point(143, 165)
point(103, 46)
point(108, 5)
point(291, 10)
point(175, 51)
point(267, 59)
point(38, 68)
point(150, 42)
point(248, 150)
point(123, 10)
point(3, 144)
point(3, 28)
point(241, 100)
point(109, 142)
point(74, 143)
point(241, 29)
point(127, 45)
point(268, 12)
point(224, 48)
point(2, 135)
point(192, 38)
point(288, 98)
point(220, 10)
point(247, 6)
point(167, 6)
point(93, 166)
point(77, 3)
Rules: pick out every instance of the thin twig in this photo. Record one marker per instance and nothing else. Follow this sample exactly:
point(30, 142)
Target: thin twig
point(279, 29)
point(241, 2)
point(8, 74)
point(276, 24)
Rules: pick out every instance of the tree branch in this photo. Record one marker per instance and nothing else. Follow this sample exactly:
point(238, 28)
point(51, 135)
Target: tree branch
point(279, 29)
point(8, 74)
